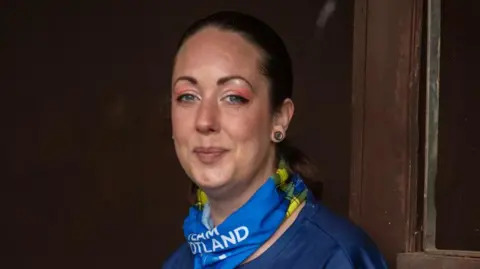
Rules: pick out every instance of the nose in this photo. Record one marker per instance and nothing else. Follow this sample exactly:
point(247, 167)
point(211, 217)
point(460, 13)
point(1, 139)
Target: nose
point(207, 120)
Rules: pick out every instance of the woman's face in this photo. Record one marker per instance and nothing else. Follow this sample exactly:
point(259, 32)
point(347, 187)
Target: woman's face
point(222, 125)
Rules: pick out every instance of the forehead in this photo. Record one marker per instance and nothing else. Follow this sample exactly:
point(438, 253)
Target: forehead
point(215, 52)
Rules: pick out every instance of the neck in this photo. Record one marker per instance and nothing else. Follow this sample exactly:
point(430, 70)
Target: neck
point(223, 206)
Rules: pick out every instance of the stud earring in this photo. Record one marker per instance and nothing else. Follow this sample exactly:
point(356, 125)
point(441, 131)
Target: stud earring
point(278, 136)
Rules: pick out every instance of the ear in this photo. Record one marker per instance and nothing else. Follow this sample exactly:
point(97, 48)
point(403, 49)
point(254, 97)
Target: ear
point(281, 119)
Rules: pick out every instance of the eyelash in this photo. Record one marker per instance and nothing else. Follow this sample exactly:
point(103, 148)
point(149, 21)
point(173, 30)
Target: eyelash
point(239, 99)
point(181, 98)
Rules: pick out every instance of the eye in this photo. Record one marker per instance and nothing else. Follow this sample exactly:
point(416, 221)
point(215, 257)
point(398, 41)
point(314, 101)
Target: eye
point(236, 99)
point(186, 98)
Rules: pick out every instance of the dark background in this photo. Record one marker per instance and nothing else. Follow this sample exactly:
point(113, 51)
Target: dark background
point(91, 178)
point(458, 181)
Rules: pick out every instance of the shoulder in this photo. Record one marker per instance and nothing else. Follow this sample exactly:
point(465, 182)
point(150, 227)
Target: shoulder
point(181, 258)
point(348, 243)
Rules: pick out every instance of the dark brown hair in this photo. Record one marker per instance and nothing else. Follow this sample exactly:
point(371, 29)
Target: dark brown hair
point(276, 65)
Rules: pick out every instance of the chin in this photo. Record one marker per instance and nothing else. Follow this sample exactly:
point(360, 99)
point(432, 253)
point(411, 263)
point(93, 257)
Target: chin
point(211, 178)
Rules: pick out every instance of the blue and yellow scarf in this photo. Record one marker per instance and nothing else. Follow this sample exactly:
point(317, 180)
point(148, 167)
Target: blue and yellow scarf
point(244, 231)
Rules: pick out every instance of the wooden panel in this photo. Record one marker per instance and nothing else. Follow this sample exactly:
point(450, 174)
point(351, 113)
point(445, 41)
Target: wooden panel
point(385, 133)
point(428, 261)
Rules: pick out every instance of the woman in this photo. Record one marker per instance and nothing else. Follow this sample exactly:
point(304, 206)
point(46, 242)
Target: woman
point(231, 108)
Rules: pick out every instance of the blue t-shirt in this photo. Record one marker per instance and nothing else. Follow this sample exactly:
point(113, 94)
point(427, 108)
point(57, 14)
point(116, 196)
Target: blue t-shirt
point(316, 239)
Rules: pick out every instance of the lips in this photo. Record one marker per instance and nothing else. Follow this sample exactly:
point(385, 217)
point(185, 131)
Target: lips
point(209, 155)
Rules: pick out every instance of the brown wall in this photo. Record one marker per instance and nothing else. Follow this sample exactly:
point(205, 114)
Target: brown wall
point(92, 179)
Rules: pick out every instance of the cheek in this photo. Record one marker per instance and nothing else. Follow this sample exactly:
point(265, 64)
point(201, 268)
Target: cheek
point(180, 131)
point(181, 123)
point(250, 126)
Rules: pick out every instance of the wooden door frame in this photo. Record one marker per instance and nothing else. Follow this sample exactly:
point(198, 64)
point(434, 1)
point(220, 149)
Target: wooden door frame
point(386, 189)
point(385, 135)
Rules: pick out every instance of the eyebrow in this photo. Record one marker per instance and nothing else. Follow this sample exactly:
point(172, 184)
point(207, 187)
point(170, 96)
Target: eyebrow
point(220, 81)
